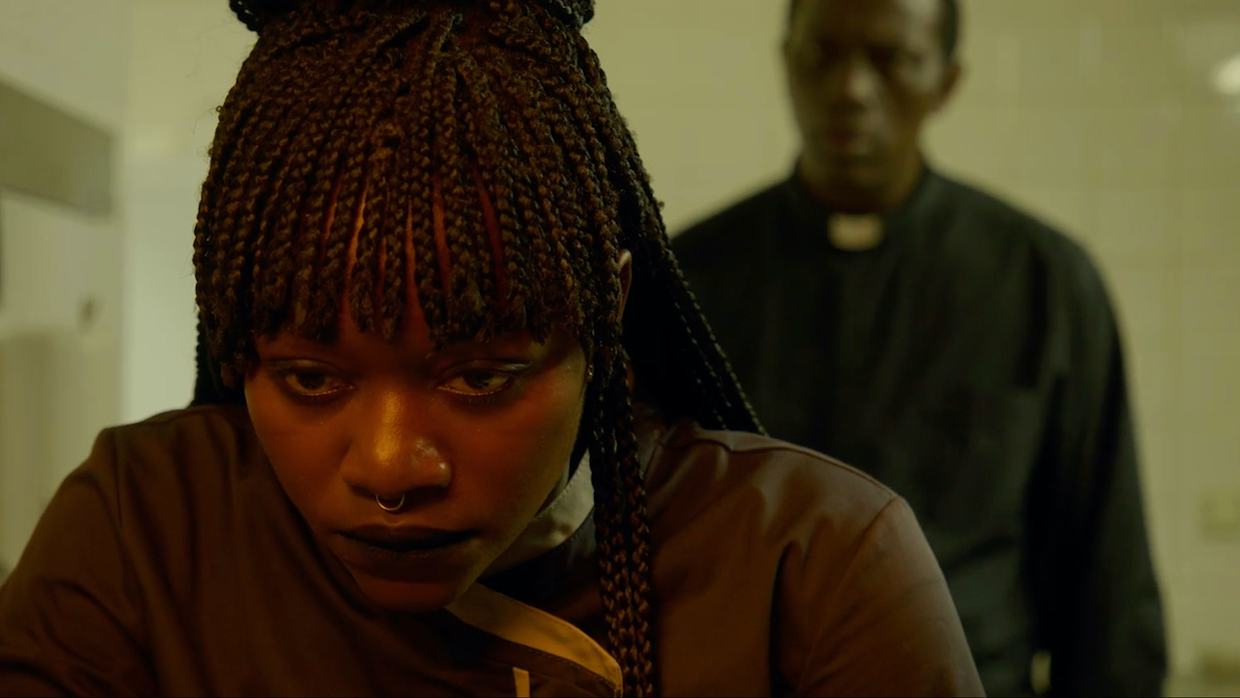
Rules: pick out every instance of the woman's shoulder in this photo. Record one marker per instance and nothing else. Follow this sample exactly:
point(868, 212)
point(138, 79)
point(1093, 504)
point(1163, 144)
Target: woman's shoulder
point(762, 547)
point(180, 456)
point(180, 438)
point(176, 489)
point(696, 470)
point(175, 426)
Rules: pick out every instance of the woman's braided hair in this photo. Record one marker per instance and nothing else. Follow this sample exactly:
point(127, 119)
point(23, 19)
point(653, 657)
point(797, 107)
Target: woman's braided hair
point(498, 177)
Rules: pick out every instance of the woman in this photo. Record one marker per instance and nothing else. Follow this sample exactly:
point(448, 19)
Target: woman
point(415, 465)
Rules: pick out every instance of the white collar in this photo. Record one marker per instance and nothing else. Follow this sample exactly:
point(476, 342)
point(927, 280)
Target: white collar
point(855, 233)
point(556, 523)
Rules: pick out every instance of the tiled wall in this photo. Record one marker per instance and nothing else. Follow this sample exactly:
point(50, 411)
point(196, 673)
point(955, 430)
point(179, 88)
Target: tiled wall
point(1102, 116)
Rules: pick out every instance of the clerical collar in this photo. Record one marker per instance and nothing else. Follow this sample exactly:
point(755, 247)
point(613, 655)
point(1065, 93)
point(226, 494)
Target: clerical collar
point(853, 233)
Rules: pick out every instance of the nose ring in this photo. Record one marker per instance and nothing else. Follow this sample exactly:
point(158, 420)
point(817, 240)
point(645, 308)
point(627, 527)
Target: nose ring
point(400, 504)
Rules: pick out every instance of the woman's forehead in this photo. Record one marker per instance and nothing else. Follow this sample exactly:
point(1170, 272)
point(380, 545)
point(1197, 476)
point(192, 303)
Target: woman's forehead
point(412, 344)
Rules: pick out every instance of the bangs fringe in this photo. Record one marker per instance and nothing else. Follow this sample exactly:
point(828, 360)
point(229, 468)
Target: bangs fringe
point(412, 165)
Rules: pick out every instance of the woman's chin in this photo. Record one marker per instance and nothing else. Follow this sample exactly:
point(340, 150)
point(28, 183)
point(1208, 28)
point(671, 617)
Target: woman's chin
point(416, 582)
point(408, 596)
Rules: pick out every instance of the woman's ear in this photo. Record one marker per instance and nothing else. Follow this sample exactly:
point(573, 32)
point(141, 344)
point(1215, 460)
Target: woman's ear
point(626, 278)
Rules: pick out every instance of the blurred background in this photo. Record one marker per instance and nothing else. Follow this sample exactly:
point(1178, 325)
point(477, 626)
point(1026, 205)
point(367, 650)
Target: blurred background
point(1116, 120)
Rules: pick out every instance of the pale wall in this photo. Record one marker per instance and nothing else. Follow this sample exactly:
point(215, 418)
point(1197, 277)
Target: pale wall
point(71, 53)
point(59, 363)
point(186, 54)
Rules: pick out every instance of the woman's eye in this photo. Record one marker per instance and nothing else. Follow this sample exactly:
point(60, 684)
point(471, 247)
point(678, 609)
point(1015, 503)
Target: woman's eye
point(311, 383)
point(478, 382)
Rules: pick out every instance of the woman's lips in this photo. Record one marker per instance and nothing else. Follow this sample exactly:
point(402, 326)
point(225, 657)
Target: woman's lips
point(408, 557)
point(407, 539)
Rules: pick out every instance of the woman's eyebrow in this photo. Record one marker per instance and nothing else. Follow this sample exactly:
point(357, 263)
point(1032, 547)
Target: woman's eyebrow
point(291, 343)
point(501, 345)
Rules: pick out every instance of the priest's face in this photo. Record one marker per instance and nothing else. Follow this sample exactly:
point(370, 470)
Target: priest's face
point(863, 76)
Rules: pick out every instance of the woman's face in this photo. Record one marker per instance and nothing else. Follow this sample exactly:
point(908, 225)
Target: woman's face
point(474, 438)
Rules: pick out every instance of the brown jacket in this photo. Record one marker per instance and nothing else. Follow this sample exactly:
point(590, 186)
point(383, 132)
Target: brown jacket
point(172, 563)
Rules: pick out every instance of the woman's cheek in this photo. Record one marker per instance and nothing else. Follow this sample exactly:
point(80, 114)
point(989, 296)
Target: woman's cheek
point(298, 446)
point(531, 449)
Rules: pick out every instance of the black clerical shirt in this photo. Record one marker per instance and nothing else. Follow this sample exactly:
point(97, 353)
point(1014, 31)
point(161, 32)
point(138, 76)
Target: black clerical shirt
point(971, 361)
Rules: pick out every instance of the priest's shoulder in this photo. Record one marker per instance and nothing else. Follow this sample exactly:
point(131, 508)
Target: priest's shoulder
point(1003, 221)
point(793, 489)
point(733, 228)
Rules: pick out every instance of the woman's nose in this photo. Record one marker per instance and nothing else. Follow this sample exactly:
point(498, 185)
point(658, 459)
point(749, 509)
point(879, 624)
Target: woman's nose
point(395, 452)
